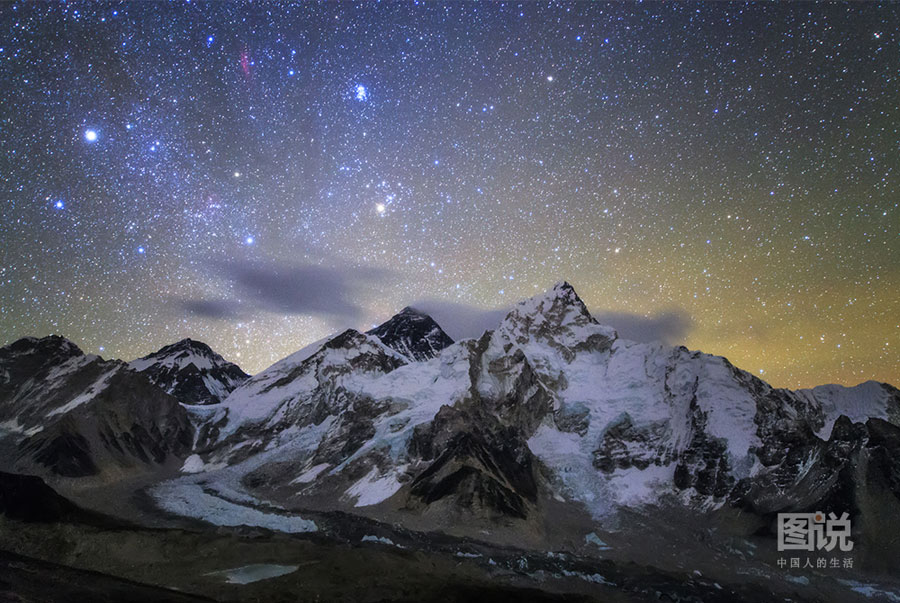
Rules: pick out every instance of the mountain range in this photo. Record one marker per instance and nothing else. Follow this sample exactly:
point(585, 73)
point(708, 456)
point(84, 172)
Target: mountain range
point(547, 433)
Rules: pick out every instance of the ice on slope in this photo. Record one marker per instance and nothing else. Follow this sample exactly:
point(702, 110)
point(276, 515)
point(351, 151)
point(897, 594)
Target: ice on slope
point(56, 374)
point(548, 327)
point(610, 380)
point(372, 489)
point(562, 310)
point(595, 540)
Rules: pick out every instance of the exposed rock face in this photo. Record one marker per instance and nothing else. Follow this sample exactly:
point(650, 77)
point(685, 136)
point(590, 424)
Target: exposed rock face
point(624, 445)
point(191, 371)
point(412, 333)
point(479, 466)
point(76, 415)
point(837, 474)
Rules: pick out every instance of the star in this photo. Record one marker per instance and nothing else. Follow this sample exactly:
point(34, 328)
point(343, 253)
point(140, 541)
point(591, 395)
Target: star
point(646, 146)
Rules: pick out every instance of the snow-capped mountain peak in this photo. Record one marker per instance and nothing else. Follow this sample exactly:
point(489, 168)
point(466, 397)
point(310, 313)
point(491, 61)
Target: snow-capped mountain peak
point(191, 371)
point(413, 333)
point(560, 295)
point(556, 318)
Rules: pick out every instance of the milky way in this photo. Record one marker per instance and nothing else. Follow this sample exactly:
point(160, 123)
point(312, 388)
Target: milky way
point(259, 175)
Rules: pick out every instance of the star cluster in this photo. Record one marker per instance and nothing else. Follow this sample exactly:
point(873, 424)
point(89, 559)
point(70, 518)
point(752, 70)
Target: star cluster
point(732, 164)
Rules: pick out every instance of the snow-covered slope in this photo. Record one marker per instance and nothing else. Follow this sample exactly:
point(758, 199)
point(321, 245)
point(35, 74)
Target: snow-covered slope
point(549, 405)
point(869, 399)
point(191, 371)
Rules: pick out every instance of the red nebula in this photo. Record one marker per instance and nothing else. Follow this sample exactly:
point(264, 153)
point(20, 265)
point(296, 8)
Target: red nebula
point(245, 62)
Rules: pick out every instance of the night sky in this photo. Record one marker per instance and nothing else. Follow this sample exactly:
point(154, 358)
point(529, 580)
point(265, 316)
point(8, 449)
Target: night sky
point(258, 176)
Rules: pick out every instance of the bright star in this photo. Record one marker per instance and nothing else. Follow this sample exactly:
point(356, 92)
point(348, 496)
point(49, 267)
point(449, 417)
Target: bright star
point(380, 208)
point(90, 135)
point(249, 240)
point(361, 94)
point(549, 78)
point(140, 250)
point(59, 205)
point(237, 174)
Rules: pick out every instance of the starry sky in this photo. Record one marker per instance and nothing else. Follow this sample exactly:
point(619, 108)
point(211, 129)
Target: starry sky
point(259, 175)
